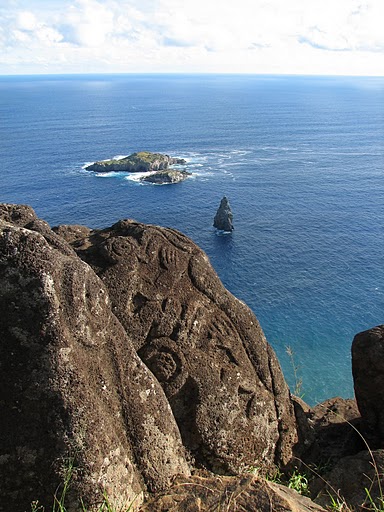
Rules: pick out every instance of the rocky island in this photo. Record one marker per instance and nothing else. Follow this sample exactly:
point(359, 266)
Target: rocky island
point(157, 165)
point(126, 364)
point(143, 161)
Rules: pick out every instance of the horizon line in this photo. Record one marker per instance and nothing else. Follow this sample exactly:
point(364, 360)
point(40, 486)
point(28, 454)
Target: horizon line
point(189, 73)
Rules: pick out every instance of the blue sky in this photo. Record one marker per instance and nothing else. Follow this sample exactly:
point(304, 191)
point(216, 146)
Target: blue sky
point(219, 36)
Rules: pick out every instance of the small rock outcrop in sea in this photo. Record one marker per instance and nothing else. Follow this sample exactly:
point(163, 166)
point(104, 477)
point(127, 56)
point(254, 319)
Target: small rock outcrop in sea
point(137, 162)
point(223, 218)
point(166, 177)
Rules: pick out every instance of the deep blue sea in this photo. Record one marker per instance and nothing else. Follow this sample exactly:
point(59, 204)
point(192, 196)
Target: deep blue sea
point(301, 160)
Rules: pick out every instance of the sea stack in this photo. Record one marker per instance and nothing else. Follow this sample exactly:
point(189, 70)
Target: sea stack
point(223, 218)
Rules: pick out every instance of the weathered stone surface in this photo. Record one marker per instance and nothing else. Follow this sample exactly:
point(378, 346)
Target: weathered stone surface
point(19, 215)
point(232, 494)
point(137, 162)
point(224, 217)
point(72, 233)
point(71, 383)
point(349, 479)
point(368, 376)
point(24, 216)
point(166, 177)
point(205, 347)
point(333, 434)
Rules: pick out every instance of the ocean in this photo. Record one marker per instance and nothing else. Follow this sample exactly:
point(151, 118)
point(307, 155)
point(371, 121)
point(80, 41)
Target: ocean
point(300, 158)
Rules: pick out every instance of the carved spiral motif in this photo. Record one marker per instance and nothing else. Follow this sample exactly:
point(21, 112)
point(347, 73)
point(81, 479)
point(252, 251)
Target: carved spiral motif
point(164, 359)
point(117, 248)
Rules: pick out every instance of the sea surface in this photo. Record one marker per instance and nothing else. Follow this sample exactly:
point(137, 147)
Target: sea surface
point(301, 160)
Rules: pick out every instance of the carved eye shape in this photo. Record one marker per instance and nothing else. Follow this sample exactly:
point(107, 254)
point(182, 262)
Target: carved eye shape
point(121, 246)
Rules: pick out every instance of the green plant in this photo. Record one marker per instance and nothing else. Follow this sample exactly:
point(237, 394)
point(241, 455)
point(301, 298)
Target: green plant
point(58, 502)
point(61, 492)
point(338, 504)
point(299, 482)
point(276, 476)
point(298, 388)
point(374, 505)
point(35, 507)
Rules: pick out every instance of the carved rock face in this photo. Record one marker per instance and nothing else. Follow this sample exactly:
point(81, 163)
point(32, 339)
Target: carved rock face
point(204, 346)
point(71, 383)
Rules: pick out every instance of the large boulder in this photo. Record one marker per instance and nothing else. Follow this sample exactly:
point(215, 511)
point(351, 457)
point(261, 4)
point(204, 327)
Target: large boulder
point(204, 346)
point(368, 376)
point(72, 389)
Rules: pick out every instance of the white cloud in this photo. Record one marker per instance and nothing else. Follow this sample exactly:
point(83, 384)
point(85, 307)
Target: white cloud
point(26, 20)
point(305, 36)
point(88, 23)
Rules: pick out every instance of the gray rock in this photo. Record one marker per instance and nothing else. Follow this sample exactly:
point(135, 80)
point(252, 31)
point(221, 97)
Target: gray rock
point(224, 217)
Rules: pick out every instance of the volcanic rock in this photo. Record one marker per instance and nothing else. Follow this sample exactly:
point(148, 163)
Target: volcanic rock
point(166, 177)
point(368, 375)
point(204, 346)
point(350, 479)
point(73, 389)
point(223, 218)
point(232, 494)
point(334, 434)
point(137, 162)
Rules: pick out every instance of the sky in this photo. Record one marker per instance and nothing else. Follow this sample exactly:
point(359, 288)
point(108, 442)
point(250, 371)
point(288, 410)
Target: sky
point(326, 37)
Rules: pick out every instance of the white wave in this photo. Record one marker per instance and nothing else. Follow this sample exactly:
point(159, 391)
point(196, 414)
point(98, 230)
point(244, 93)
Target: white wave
point(118, 157)
point(241, 152)
point(110, 174)
point(136, 176)
point(86, 164)
point(204, 173)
